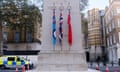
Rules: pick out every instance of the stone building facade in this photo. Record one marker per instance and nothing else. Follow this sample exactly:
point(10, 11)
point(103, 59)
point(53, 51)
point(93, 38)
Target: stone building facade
point(112, 26)
point(94, 34)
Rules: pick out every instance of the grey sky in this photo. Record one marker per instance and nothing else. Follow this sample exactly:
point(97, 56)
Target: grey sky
point(101, 4)
point(38, 3)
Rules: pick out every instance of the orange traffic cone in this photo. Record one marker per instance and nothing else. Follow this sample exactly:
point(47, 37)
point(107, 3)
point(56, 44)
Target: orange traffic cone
point(107, 70)
point(23, 68)
point(97, 67)
point(16, 69)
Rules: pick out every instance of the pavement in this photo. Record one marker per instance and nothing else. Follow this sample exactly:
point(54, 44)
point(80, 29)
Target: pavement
point(89, 70)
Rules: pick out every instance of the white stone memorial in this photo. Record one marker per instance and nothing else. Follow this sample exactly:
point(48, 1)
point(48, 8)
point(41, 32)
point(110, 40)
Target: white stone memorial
point(68, 58)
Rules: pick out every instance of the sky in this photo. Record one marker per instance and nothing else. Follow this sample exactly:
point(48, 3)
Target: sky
point(101, 4)
point(37, 3)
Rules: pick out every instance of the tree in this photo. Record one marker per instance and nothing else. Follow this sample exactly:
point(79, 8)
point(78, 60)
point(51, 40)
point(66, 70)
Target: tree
point(84, 27)
point(18, 15)
point(83, 4)
point(1, 34)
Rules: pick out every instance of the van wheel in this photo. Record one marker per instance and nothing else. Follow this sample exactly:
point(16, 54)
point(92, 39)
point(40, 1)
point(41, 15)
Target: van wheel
point(3, 67)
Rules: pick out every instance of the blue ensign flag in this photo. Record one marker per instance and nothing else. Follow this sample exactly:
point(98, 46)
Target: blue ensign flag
point(54, 29)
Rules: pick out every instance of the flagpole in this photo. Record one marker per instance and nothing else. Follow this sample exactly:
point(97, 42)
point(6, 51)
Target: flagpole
point(69, 47)
point(61, 37)
point(54, 48)
point(61, 46)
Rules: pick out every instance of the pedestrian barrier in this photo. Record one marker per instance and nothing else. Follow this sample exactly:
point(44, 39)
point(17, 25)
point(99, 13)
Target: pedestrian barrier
point(97, 67)
point(23, 68)
point(107, 69)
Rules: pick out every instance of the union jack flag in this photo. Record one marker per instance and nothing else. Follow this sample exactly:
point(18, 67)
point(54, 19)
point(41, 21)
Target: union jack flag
point(60, 27)
point(54, 28)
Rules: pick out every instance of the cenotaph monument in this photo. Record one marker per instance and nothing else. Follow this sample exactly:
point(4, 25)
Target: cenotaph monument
point(55, 56)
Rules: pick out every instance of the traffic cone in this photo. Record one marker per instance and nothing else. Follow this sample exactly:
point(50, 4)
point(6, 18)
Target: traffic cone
point(97, 67)
point(23, 68)
point(16, 69)
point(115, 70)
point(107, 70)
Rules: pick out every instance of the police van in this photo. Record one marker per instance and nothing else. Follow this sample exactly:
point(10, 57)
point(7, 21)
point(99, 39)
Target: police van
point(14, 61)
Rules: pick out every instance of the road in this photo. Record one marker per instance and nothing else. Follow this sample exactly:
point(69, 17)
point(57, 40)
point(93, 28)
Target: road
point(103, 68)
point(10, 70)
point(111, 69)
point(19, 70)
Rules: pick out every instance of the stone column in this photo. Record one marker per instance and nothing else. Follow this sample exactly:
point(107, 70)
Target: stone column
point(51, 59)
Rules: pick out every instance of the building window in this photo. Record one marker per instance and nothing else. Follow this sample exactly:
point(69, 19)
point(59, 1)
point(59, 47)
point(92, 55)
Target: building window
point(119, 37)
point(5, 35)
point(112, 13)
point(113, 25)
point(108, 41)
point(109, 28)
point(17, 37)
point(118, 22)
point(115, 55)
point(106, 20)
point(114, 38)
point(29, 36)
point(118, 10)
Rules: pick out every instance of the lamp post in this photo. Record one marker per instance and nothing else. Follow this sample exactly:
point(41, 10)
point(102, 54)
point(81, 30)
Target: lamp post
point(1, 43)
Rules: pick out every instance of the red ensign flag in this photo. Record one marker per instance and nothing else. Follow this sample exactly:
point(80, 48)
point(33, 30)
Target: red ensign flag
point(69, 30)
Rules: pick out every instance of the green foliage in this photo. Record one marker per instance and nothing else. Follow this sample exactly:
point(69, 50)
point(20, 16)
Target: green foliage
point(83, 4)
point(18, 14)
point(84, 24)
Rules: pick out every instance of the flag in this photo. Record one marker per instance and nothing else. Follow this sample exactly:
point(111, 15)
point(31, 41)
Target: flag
point(69, 30)
point(60, 28)
point(54, 28)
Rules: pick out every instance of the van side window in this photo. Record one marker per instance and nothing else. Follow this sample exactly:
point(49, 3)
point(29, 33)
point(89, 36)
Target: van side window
point(22, 60)
point(11, 59)
point(18, 59)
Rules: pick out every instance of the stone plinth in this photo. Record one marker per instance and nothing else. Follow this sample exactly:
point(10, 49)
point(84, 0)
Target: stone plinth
point(62, 61)
point(69, 58)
